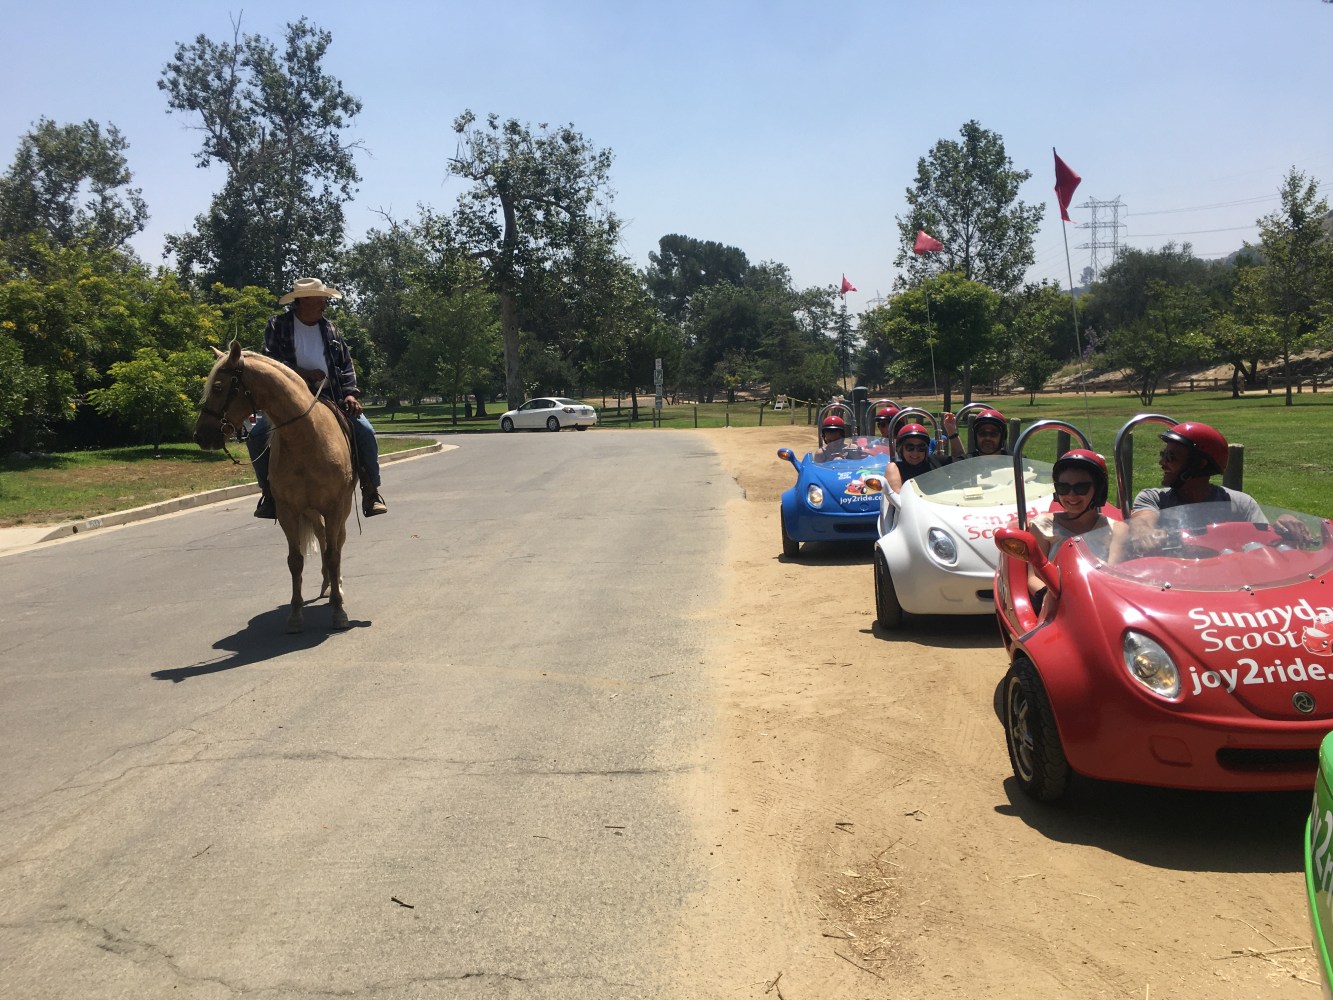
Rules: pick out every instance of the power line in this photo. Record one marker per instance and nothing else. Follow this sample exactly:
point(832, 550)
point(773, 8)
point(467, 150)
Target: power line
point(1204, 208)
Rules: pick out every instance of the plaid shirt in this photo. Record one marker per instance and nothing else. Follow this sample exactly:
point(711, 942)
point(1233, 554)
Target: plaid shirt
point(280, 344)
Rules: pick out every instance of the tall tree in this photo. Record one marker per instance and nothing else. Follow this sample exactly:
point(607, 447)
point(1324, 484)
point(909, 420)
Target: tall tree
point(69, 183)
point(1293, 282)
point(1039, 331)
point(941, 328)
point(275, 121)
point(966, 196)
point(537, 198)
point(682, 265)
point(1168, 335)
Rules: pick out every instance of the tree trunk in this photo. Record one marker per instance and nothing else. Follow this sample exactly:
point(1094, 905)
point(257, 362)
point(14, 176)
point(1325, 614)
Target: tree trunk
point(967, 383)
point(509, 327)
point(634, 404)
point(1286, 372)
point(480, 393)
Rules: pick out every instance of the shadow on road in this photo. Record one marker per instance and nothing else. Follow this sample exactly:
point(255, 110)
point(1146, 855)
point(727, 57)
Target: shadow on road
point(263, 638)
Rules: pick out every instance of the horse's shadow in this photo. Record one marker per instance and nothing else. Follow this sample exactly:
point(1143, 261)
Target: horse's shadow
point(263, 638)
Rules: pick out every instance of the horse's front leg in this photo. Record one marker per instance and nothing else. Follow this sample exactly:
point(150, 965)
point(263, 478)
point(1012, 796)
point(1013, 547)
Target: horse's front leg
point(296, 546)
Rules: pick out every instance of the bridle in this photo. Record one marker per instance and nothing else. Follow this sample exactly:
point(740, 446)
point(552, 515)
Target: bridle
point(237, 387)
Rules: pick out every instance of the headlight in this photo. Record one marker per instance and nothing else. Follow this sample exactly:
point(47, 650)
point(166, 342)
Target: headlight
point(814, 495)
point(1149, 664)
point(942, 547)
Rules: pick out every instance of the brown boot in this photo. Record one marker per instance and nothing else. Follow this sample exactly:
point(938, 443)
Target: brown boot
point(372, 503)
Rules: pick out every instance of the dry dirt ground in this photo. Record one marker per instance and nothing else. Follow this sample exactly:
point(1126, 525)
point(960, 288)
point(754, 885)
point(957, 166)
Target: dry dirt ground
point(870, 840)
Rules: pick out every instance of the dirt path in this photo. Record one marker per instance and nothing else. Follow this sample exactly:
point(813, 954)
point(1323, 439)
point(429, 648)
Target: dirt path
point(871, 842)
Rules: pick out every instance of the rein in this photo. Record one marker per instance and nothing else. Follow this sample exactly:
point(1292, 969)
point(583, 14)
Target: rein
point(238, 387)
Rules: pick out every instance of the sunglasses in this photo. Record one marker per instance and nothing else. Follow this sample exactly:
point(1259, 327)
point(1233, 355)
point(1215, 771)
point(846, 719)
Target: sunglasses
point(1078, 489)
point(1170, 457)
point(913, 447)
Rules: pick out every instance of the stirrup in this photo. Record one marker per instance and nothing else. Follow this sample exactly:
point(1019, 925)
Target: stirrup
point(265, 507)
point(372, 503)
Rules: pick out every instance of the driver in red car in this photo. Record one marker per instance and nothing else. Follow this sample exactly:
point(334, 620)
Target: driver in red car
point(1193, 453)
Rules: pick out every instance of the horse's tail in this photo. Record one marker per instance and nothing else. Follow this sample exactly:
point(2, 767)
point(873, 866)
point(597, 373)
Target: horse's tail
point(307, 536)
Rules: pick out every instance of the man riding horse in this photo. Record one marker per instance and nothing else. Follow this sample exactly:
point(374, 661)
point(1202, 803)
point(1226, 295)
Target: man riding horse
point(303, 340)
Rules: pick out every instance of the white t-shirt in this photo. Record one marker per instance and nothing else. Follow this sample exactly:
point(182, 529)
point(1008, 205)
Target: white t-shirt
point(309, 347)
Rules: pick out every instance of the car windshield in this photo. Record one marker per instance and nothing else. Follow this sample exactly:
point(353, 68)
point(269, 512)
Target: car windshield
point(984, 481)
point(1199, 547)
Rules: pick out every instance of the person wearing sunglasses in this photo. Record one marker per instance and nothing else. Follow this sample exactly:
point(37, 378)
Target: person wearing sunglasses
point(914, 457)
point(990, 432)
point(1081, 488)
point(1192, 454)
point(882, 442)
point(833, 441)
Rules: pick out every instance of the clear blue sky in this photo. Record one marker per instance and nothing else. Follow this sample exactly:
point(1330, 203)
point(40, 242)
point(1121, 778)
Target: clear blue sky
point(790, 130)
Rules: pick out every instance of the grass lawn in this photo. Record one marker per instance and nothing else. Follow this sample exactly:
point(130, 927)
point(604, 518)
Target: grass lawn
point(71, 486)
point(1288, 450)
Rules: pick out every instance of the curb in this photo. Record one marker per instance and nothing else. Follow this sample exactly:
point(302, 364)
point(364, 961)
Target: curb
point(193, 500)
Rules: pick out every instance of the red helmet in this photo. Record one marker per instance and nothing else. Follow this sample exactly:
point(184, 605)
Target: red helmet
point(992, 417)
point(885, 414)
point(1207, 448)
point(912, 430)
point(833, 422)
point(1090, 462)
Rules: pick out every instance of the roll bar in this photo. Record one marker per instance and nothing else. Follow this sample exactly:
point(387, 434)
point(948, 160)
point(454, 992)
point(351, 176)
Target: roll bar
point(1123, 443)
point(1020, 491)
point(843, 410)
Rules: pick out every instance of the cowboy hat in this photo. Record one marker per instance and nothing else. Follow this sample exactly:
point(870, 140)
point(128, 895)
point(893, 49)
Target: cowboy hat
point(310, 288)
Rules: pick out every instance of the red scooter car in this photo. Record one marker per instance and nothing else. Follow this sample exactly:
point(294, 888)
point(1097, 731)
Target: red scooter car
point(1202, 661)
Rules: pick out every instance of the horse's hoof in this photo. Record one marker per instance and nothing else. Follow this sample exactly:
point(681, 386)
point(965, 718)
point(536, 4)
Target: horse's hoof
point(295, 625)
point(339, 618)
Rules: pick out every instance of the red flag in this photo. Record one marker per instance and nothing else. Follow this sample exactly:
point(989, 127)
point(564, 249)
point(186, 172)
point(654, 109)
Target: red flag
point(847, 286)
point(925, 243)
point(1065, 183)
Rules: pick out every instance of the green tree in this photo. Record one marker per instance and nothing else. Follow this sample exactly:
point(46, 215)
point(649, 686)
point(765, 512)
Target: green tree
point(683, 265)
point(1123, 293)
point(966, 196)
point(1037, 320)
point(275, 122)
point(536, 196)
point(939, 330)
point(244, 313)
point(1169, 335)
point(1289, 289)
point(70, 183)
point(154, 394)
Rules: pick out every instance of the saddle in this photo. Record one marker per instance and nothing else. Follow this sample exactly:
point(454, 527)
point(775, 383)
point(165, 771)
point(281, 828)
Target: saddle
point(345, 424)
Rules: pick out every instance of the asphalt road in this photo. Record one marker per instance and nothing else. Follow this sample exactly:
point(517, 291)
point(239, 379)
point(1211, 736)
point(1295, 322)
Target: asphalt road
point(475, 791)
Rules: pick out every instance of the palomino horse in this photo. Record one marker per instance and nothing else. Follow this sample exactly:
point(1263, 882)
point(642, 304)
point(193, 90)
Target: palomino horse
point(310, 463)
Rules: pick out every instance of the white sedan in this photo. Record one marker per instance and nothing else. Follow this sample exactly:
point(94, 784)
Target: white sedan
point(550, 413)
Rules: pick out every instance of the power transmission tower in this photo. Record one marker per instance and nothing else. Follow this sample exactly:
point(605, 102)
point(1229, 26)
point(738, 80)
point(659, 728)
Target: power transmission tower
point(1099, 226)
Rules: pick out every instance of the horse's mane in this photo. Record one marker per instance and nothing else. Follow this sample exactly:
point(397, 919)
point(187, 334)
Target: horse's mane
point(274, 366)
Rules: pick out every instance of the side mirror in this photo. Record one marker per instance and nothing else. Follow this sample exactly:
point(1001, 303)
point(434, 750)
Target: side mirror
point(1021, 545)
point(787, 455)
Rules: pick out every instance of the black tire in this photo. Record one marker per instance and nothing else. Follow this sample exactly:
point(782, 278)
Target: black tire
point(506, 425)
point(1035, 752)
point(580, 427)
point(552, 424)
point(791, 548)
point(888, 612)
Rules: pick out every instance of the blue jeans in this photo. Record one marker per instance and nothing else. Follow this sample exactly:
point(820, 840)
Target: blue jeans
point(367, 447)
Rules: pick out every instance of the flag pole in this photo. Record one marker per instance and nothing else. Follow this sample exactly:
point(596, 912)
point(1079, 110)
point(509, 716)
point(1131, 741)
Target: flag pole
point(930, 342)
point(1073, 305)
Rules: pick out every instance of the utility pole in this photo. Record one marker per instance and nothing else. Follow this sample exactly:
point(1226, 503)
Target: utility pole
point(1105, 232)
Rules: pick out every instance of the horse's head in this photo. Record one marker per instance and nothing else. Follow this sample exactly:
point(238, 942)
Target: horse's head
point(226, 401)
